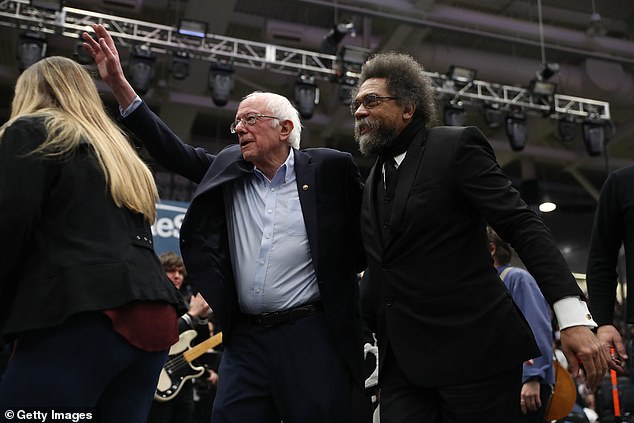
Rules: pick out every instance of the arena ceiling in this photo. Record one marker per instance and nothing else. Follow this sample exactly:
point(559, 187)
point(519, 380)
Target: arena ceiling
point(505, 41)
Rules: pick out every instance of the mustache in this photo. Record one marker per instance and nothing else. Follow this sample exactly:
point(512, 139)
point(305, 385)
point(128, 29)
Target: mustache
point(366, 123)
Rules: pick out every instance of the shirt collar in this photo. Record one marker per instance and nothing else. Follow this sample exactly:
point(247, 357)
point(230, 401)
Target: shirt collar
point(283, 174)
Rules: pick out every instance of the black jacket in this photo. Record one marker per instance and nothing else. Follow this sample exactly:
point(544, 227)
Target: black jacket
point(66, 246)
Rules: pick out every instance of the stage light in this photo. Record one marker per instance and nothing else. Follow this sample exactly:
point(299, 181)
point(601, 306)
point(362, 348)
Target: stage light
point(179, 67)
point(547, 71)
point(192, 28)
point(542, 88)
point(52, 5)
point(306, 95)
point(594, 136)
point(516, 130)
point(351, 59)
point(461, 76)
point(454, 113)
point(330, 42)
point(141, 68)
point(31, 48)
point(346, 86)
point(493, 115)
point(221, 80)
point(567, 128)
point(547, 206)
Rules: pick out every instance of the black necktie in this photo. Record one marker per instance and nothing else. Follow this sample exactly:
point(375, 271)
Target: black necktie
point(390, 177)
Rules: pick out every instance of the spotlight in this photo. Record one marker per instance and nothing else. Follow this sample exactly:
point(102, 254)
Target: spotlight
point(351, 58)
point(516, 130)
point(346, 86)
point(461, 76)
point(306, 95)
point(81, 55)
point(547, 71)
point(330, 42)
point(141, 68)
point(179, 68)
point(547, 206)
point(567, 128)
point(542, 88)
point(221, 81)
point(493, 115)
point(191, 28)
point(454, 113)
point(594, 136)
point(52, 5)
point(31, 48)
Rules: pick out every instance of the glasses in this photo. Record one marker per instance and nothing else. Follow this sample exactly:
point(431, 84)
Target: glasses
point(369, 101)
point(250, 120)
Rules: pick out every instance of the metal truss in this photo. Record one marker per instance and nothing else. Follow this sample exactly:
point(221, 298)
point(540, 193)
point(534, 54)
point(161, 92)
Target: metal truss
point(163, 39)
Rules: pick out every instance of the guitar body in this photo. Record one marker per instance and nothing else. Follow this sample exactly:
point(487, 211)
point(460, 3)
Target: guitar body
point(177, 370)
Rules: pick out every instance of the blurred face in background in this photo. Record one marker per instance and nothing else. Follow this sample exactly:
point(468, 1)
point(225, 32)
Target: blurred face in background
point(177, 276)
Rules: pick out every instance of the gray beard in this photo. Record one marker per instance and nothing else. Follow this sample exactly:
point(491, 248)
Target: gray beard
point(374, 141)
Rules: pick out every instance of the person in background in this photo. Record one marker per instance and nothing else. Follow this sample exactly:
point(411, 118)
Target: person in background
point(538, 375)
point(271, 240)
point(180, 409)
point(613, 227)
point(451, 341)
point(82, 294)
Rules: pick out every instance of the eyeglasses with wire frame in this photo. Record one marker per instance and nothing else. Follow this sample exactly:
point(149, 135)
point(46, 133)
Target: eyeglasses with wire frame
point(250, 120)
point(369, 101)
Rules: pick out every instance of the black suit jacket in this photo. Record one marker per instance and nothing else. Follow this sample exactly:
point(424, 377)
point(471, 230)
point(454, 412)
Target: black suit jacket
point(613, 227)
point(433, 292)
point(66, 246)
point(329, 190)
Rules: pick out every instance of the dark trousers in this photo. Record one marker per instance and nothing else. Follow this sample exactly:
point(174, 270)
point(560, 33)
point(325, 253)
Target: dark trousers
point(495, 399)
point(82, 365)
point(179, 409)
point(291, 372)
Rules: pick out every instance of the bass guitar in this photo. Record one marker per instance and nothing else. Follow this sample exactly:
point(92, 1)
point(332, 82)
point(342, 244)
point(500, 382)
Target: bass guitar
point(179, 368)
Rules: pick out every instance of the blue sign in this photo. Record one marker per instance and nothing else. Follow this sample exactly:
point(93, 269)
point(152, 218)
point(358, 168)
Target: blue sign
point(166, 229)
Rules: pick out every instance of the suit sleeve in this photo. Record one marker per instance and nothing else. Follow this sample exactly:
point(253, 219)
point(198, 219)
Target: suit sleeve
point(166, 147)
point(353, 195)
point(607, 236)
point(486, 187)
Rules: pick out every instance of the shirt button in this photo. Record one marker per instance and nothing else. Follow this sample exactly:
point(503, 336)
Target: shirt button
point(269, 211)
point(267, 236)
point(388, 301)
point(257, 290)
point(261, 261)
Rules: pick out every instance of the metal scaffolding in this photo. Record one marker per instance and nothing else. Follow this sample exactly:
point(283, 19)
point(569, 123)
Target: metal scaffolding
point(163, 39)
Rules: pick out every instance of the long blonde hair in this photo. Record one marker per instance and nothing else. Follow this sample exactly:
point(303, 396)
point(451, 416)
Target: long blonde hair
point(63, 92)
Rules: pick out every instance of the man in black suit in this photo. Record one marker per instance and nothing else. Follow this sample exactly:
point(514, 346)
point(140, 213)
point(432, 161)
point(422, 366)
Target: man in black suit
point(451, 340)
point(272, 241)
point(613, 227)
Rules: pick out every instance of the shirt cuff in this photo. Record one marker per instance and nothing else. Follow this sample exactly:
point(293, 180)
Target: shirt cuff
point(131, 108)
point(571, 311)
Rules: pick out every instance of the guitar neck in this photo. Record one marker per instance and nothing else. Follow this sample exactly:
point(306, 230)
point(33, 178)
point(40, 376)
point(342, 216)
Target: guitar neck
point(198, 350)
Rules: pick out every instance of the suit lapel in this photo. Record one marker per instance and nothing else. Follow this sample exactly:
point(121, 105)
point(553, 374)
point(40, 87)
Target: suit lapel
point(369, 207)
point(307, 191)
point(227, 166)
point(407, 172)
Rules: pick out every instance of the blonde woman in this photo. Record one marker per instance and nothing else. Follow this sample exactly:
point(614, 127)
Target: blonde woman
point(83, 297)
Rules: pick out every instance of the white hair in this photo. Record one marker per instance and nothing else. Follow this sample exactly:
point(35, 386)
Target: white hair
point(282, 108)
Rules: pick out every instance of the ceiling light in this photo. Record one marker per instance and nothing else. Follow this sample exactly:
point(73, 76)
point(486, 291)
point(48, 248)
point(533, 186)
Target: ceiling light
point(493, 115)
point(330, 42)
point(306, 95)
point(192, 28)
point(141, 68)
point(346, 86)
point(454, 113)
point(461, 76)
point(52, 5)
point(179, 67)
point(221, 80)
point(31, 48)
point(516, 130)
point(567, 128)
point(594, 136)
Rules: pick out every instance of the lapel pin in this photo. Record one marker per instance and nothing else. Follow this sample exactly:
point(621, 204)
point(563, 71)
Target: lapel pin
point(305, 187)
